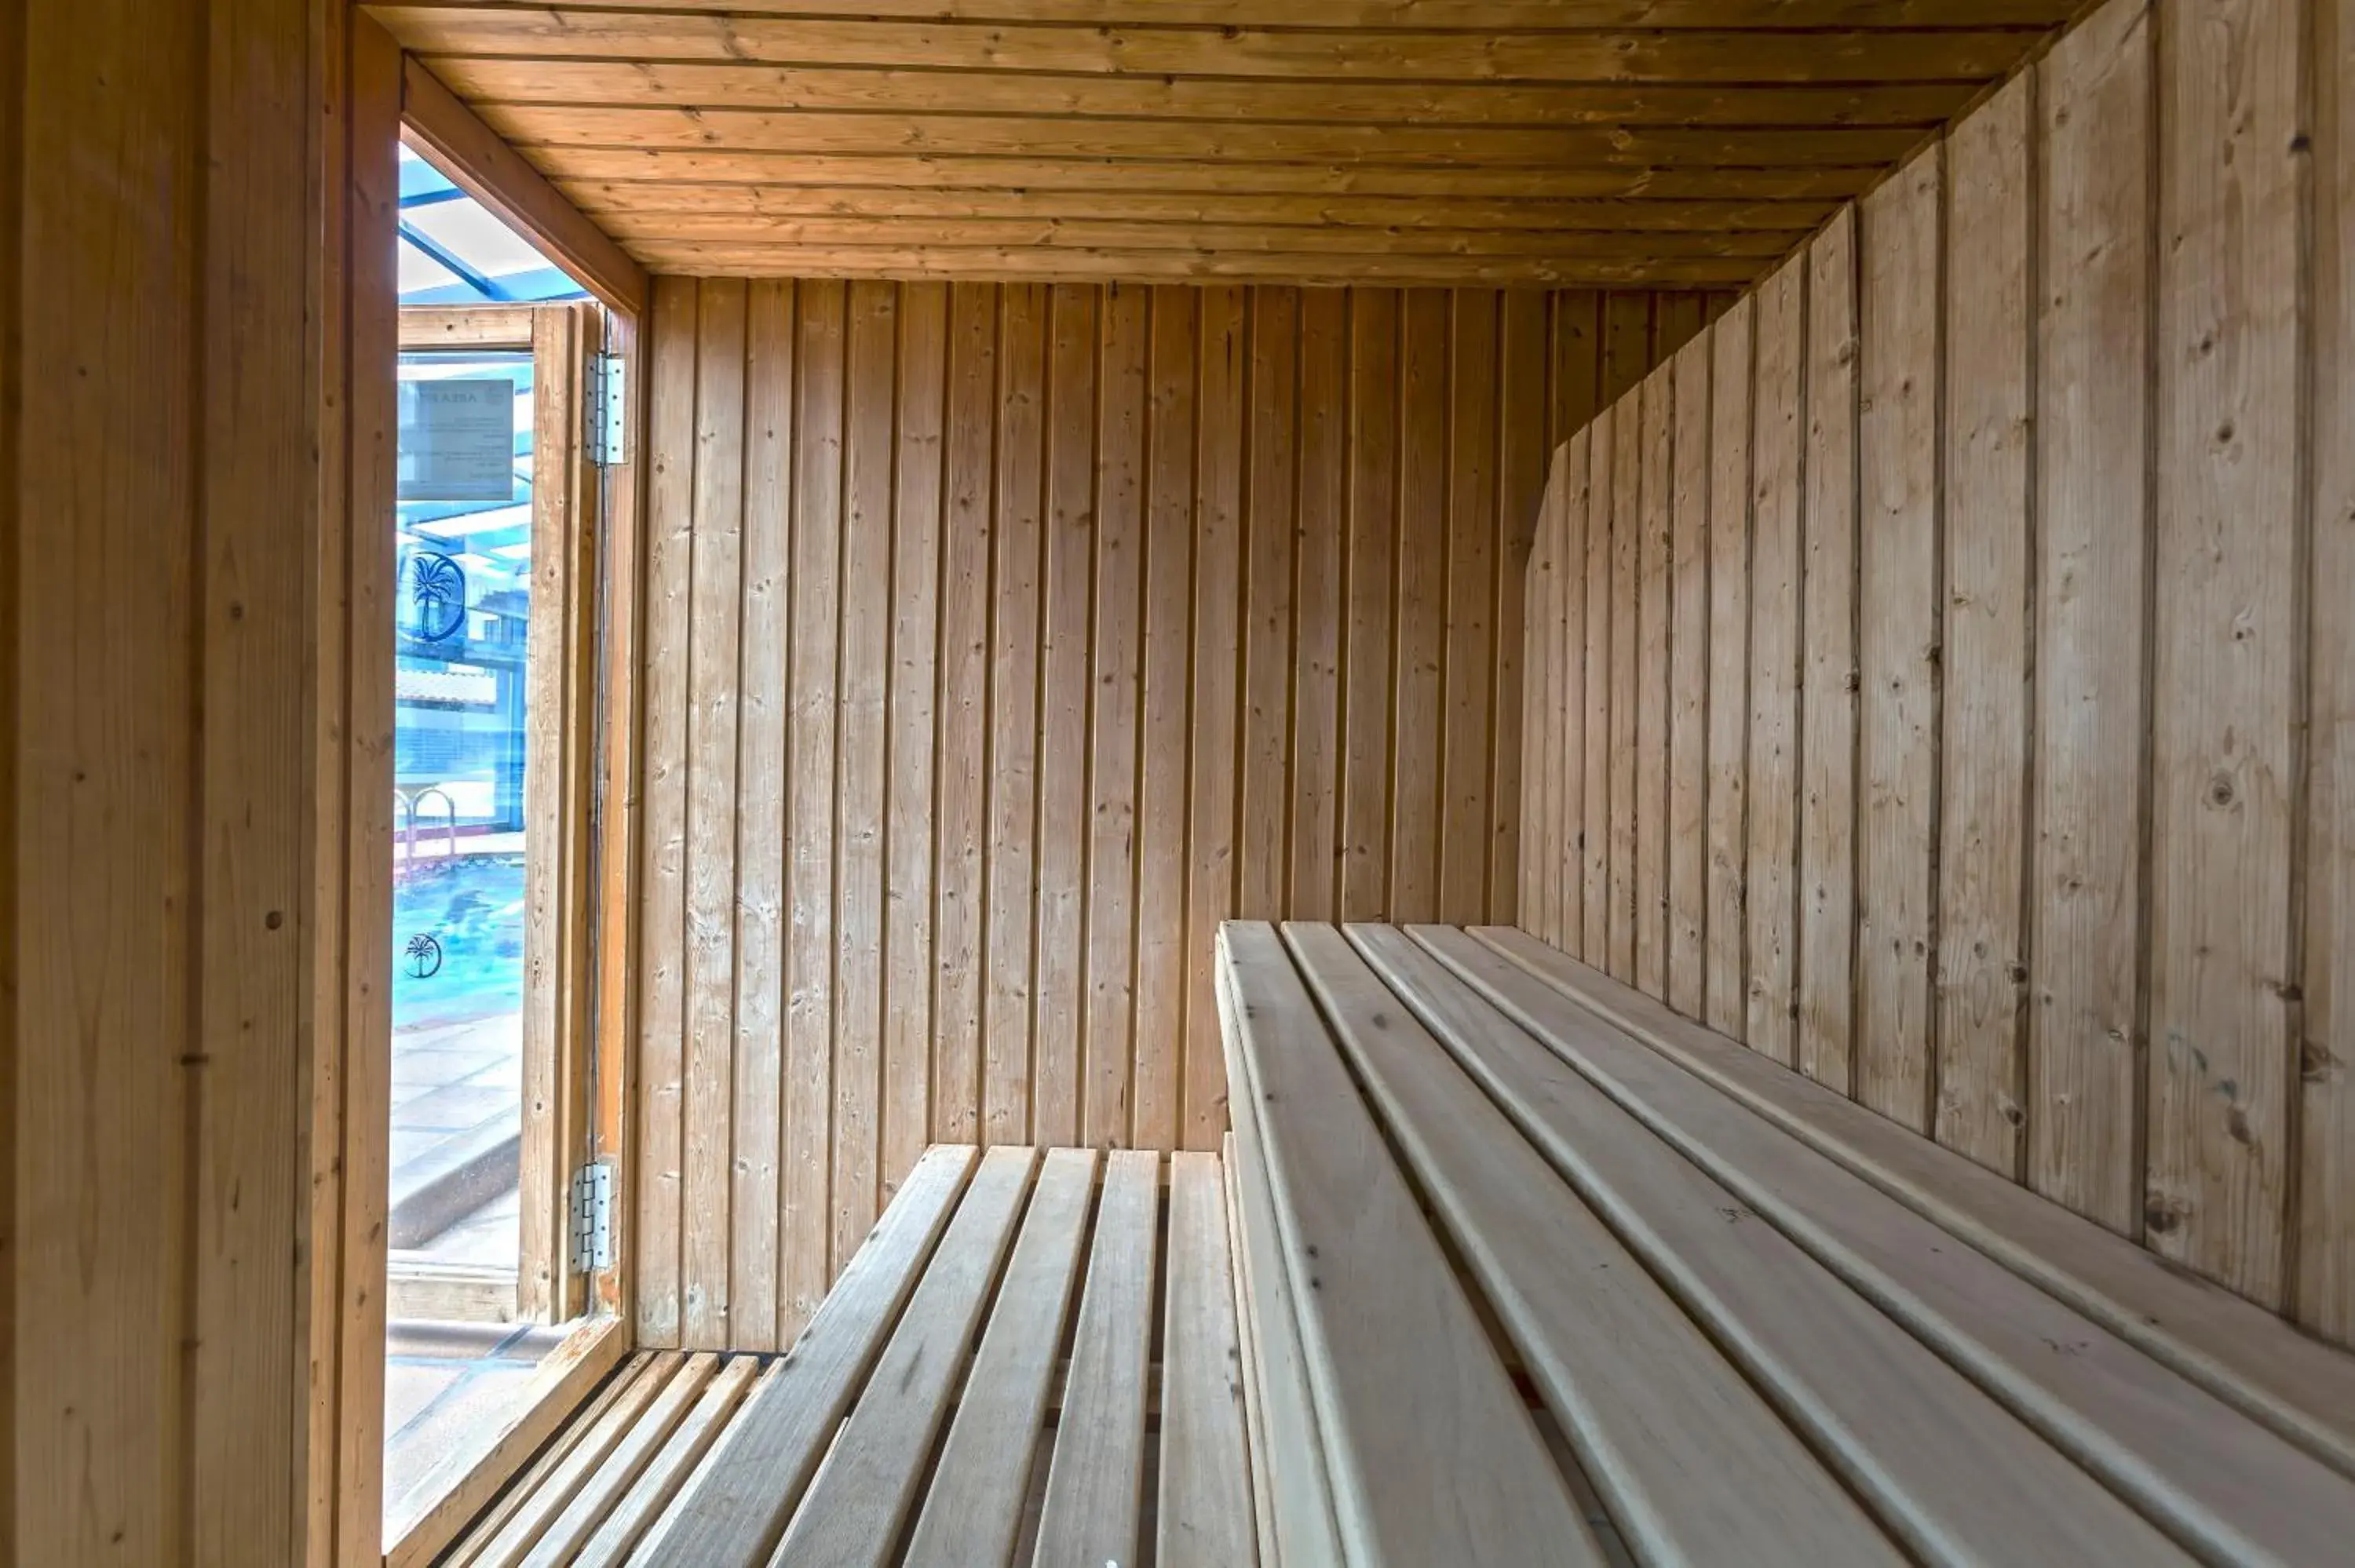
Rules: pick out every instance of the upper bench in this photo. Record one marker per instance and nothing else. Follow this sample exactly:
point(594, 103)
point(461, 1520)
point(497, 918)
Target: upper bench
point(1529, 1263)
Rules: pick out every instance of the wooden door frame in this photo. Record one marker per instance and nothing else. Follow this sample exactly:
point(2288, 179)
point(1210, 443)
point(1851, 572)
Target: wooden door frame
point(599, 859)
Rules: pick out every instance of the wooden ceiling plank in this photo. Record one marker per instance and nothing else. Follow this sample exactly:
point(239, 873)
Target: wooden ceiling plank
point(746, 130)
point(1432, 15)
point(725, 259)
point(1195, 238)
point(510, 80)
point(1728, 55)
point(645, 198)
point(929, 171)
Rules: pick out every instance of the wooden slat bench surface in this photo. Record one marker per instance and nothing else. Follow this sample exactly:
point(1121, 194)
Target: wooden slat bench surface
point(1648, 1296)
point(1032, 1359)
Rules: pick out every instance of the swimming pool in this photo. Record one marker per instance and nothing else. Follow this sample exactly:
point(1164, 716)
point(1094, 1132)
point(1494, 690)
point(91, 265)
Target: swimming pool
point(471, 909)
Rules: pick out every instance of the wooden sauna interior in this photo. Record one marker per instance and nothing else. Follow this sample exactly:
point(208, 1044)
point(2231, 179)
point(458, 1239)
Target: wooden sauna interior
point(1837, 515)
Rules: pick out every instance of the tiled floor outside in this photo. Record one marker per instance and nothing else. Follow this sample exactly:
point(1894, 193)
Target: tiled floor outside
point(448, 1386)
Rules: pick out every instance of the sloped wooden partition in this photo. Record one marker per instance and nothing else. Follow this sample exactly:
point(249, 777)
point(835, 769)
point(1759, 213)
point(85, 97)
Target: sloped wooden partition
point(1942, 673)
point(1002, 641)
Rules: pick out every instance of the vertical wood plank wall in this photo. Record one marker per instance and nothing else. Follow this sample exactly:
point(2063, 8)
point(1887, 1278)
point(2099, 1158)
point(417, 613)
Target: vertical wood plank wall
point(1001, 640)
point(193, 410)
point(2013, 588)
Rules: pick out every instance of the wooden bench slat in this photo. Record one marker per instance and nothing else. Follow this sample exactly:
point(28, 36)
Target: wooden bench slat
point(853, 1513)
point(1950, 1471)
point(973, 1510)
point(561, 1543)
point(2220, 1482)
point(660, 1480)
point(2238, 1351)
point(1095, 1478)
point(1300, 1495)
point(1255, 1394)
point(750, 1484)
point(1432, 1457)
point(492, 1519)
point(1205, 1505)
point(548, 1497)
point(1648, 1403)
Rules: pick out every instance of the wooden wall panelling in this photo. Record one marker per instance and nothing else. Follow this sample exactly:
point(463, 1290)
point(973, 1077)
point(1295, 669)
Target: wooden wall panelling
point(1009, 638)
point(764, 641)
point(1468, 638)
point(1542, 722)
point(1273, 398)
point(1067, 593)
point(715, 601)
point(1778, 455)
point(2232, 587)
point(2092, 560)
point(1827, 678)
point(1979, 1076)
point(1625, 341)
point(192, 199)
point(1116, 687)
point(1901, 348)
point(1164, 966)
point(1627, 797)
point(1013, 657)
point(917, 547)
point(1573, 471)
point(870, 351)
point(1689, 715)
point(961, 828)
point(1218, 577)
point(2326, 1232)
point(1417, 803)
point(812, 676)
point(1522, 411)
point(1318, 620)
point(1726, 1005)
point(1595, 735)
point(1655, 538)
point(1369, 648)
point(662, 997)
point(2084, 427)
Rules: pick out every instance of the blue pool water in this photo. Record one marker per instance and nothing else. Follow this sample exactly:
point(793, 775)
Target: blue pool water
point(474, 908)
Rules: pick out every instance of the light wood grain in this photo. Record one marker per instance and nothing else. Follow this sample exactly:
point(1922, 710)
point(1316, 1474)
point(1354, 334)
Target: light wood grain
point(1655, 540)
point(973, 1505)
point(1731, 341)
point(1645, 1401)
point(2326, 1233)
point(2093, 572)
point(1777, 462)
point(1983, 758)
point(1468, 684)
point(1203, 1497)
point(748, 1489)
point(566, 1536)
point(1095, 1482)
point(762, 733)
point(636, 1511)
point(1901, 234)
point(1976, 1483)
point(1318, 626)
point(1595, 732)
point(2218, 1485)
point(1262, 863)
point(1686, 936)
point(670, 544)
point(2228, 546)
point(1419, 635)
point(1369, 1279)
point(715, 600)
point(1828, 675)
point(2294, 1386)
point(854, 1510)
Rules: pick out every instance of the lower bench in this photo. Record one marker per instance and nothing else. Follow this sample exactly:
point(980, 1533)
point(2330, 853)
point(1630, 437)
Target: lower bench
point(1031, 1359)
point(1533, 1274)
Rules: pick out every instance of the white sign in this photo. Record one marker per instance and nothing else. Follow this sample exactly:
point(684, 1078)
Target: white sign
point(457, 439)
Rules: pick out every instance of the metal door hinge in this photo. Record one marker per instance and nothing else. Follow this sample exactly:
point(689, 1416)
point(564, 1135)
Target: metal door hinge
point(602, 431)
point(591, 1248)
